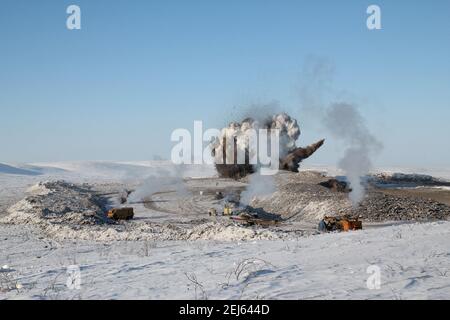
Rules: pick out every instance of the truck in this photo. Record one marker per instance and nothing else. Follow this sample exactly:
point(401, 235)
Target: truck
point(121, 214)
point(337, 223)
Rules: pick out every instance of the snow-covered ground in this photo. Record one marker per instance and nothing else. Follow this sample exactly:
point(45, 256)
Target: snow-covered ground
point(413, 259)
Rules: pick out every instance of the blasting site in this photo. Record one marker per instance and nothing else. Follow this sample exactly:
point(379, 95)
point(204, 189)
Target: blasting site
point(236, 202)
point(234, 151)
point(161, 205)
point(130, 211)
point(133, 210)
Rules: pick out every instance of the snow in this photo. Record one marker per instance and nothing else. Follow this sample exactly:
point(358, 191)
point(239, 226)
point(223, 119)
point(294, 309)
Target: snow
point(7, 169)
point(414, 259)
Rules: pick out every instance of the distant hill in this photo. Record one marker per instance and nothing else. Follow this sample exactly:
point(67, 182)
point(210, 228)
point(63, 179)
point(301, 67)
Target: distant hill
point(4, 168)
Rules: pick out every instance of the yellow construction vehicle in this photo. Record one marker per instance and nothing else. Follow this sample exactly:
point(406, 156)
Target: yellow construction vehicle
point(228, 210)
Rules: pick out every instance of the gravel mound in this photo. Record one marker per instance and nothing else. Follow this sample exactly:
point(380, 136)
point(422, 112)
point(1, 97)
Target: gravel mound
point(405, 180)
point(301, 197)
point(59, 202)
point(381, 207)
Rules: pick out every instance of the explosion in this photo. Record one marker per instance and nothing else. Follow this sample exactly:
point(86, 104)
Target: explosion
point(242, 132)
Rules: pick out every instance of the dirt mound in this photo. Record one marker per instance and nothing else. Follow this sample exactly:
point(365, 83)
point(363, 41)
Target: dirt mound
point(402, 179)
point(59, 202)
point(383, 207)
point(300, 197)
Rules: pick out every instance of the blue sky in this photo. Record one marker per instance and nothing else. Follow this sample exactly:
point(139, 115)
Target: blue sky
point(137, 70)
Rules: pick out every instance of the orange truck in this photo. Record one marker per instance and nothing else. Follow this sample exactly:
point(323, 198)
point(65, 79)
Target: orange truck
point(328, 224)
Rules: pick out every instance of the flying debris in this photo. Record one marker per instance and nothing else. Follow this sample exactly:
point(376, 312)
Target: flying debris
point(240, 133)
point(292, 161)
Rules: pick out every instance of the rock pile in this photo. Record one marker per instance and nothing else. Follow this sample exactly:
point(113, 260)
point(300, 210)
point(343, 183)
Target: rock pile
point(382, 207)
point(60, 202)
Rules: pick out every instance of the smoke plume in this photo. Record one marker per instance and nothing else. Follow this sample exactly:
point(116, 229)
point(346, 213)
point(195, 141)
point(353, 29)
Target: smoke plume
point(258, 186)
point(342, 120)
point(347, 125)
point(162, 179)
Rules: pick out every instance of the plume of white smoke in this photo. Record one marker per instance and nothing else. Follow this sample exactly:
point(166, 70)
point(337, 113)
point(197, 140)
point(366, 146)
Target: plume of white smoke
point(258, 186)
point(162, 179)
point(342, 120)
point(347, 125)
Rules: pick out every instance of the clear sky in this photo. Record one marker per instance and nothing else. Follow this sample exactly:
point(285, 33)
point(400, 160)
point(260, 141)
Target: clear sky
point(137, 70)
